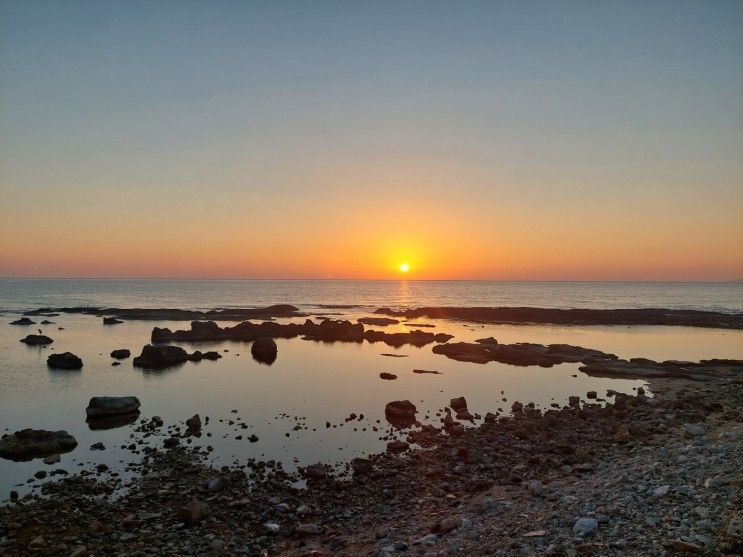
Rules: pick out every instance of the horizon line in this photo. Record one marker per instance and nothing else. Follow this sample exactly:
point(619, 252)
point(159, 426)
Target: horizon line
point(339, 279)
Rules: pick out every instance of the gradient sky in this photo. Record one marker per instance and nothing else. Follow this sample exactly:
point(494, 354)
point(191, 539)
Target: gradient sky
point(502, 140)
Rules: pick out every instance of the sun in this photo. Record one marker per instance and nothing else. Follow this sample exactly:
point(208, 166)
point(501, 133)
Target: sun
point(404, 267)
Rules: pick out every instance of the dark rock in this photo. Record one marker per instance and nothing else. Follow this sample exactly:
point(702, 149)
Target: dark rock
point(111, 321)
point(193, 512)
point(111, 405)
point(388, 376)
point(400, 413)
point(37, 340)
point(316, 471)
point(121, 353)
point(23, 321)
point(194, 422)
point(397, 446)
point(422, 371)
point(264, 350)
point(458, 404)
point(361, 466)
point(98, 447)
point(32, 443)
point(378, 321)
point(160, 357)
point(65, 360)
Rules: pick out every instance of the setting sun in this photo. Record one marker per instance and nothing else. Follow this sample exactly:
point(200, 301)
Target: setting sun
point(404, 267)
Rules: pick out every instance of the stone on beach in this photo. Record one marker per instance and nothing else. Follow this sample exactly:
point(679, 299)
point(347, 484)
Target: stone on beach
point(121, 353)
point(65, 360)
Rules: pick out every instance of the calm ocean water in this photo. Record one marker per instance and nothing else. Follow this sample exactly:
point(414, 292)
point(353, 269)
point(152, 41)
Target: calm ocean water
point(20, 294)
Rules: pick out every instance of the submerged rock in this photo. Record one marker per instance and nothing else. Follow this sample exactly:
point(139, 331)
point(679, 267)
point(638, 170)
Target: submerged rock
point(264, 350)
point(35, 443)
point(121, 353)
point(194, 423)
point(378, 321)
point(65, 360)
point(387, 376)
point(37, 340)
point(23, 321)
point(111, 321)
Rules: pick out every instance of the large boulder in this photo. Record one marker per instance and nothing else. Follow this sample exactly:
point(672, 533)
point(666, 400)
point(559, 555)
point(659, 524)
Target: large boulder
point(23, 321)
point(400, 413)
point(37, 340)
point(264, 350)
point(65, 360)
point(35, 443)
point(121, 353)
point(111, 405)
point(160, 356)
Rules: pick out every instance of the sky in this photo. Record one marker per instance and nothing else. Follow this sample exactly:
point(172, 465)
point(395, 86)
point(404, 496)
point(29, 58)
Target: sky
point(505, 140)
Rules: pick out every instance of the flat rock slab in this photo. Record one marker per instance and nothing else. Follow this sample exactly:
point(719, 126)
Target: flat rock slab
point(111, 405)
point(35, 443)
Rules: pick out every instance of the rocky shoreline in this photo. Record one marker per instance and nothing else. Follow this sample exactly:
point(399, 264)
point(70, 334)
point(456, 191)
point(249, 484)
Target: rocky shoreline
point(651, 476)
point(554, 316)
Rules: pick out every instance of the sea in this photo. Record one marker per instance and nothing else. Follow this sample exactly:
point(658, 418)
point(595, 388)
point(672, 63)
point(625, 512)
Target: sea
point(301, 406)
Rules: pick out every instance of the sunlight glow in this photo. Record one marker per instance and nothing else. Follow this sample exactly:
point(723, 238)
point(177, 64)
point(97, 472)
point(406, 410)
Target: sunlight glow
point(404, 267)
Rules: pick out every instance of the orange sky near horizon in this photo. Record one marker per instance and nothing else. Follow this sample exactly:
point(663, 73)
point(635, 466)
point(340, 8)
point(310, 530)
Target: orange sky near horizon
point(495, 140)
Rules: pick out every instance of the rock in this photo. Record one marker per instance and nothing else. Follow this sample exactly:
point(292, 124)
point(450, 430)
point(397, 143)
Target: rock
point(111, 405)
point(585, 526)
point(622, 434)
point(47, 322)
point(37, 340)
point(121, 353)
point(378, 321)
point(264, 350)
point(387, 376)
point(517, 407)
point(193, 512)
point(693, 430)
point(423, 371)
point(686, 547)
point(52, 459)
point(65, 360)
point(111, 321)
point(400, 413)
point(458, 404)
point(160, 357)
point(98, 446)
point(446, 525)
point(661, 491)
point(397, 446)
point(171, 442)
point(361, 466)
point(308, 530)
point(33, 443)
point(194, 422)
point(591, 394)
point(23, 321)
point(271, 528)
point(316, 471)
point(574, 401)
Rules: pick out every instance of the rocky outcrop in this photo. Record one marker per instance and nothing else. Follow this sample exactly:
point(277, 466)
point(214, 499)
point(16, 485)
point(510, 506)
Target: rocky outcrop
point(23, 321)
point(65, 360)
point(264, 350)
point(644, 368)
point(121, 353)
point(231, 314)
point(35, 443)
point(37, 340)
point(327, 330)
point(640, 316)
point(519, 354)
point(111, 321)
point(378, 321)
point(164, 356)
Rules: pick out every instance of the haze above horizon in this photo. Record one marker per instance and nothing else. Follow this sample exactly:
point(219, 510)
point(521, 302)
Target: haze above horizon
point(430, 140)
